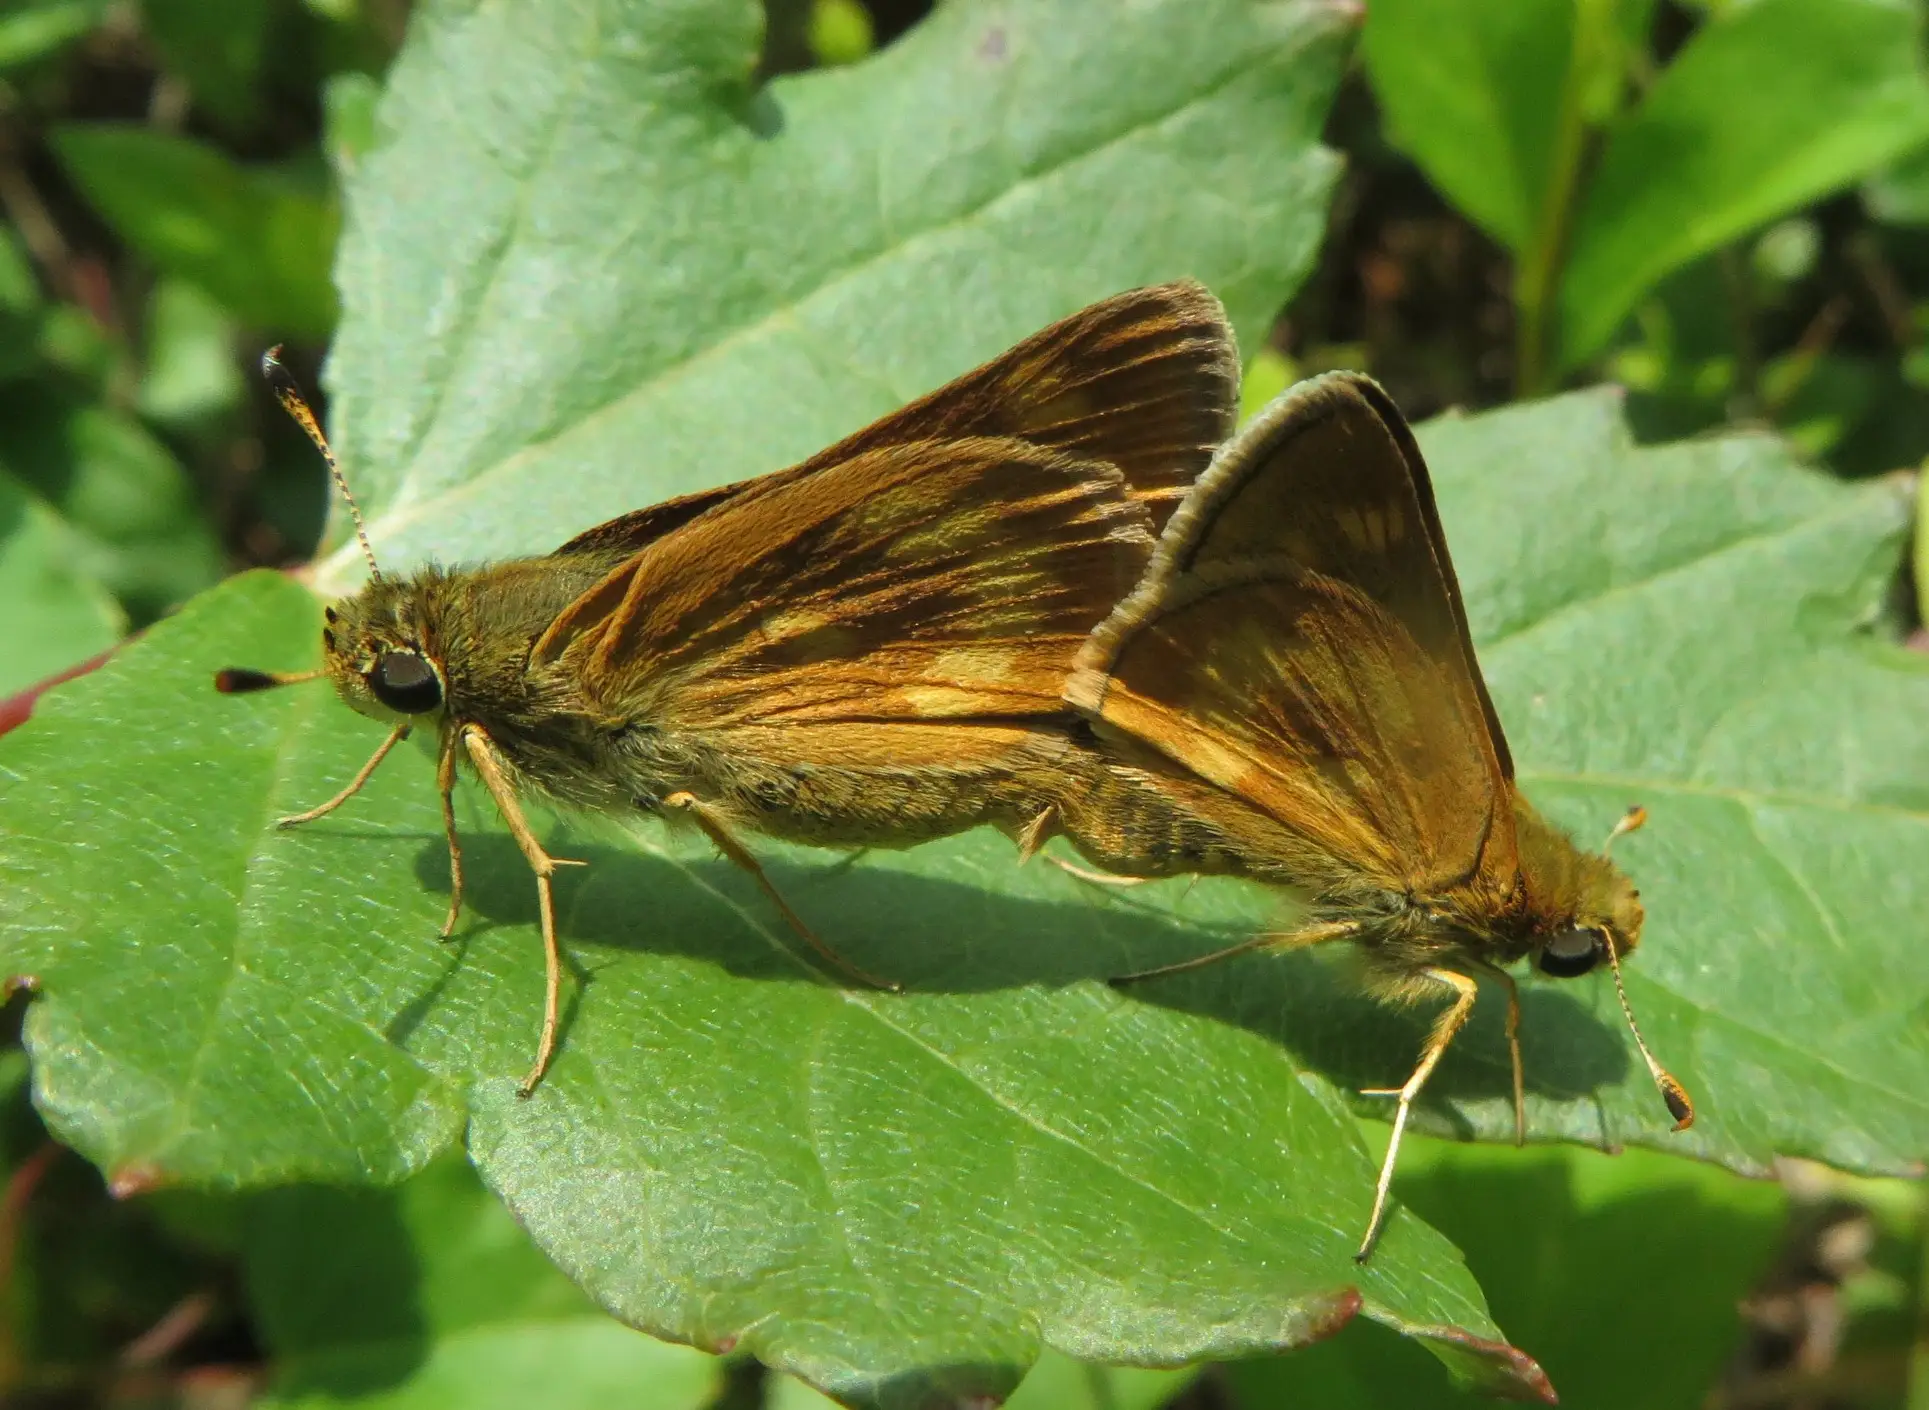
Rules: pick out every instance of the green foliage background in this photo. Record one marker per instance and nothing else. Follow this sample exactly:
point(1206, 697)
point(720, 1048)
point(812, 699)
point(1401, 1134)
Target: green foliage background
point(594, 254)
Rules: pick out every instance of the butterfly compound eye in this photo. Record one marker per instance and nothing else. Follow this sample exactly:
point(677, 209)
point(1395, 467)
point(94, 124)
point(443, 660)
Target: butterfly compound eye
point(405, 682)
point(1572, 952)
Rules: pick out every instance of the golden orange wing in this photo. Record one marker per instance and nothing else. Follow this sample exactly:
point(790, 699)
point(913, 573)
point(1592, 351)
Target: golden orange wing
point(1146, 380)
point(1299, 641)
point(906, 585)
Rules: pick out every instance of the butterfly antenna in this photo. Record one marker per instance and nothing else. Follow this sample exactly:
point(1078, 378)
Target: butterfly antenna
point(239, 680)
point(282, 382)
point(1672, 1092)
point(1633, 818)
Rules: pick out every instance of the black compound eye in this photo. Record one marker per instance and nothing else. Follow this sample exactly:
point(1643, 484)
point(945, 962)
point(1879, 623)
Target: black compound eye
point(405, 682)
point(1572, 952)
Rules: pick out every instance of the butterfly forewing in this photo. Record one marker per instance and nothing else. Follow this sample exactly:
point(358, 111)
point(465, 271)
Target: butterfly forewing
point(1147, 381)
point(1298, 641)
point(911, 584)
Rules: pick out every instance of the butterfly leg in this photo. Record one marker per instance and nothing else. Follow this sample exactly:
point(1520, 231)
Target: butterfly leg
point(395, 737)
point(495, 778)
point(1041, 829)
point(1513, 1049)
point(1444, 1028)
point(1037, 833)
point(1290, 940)
point(706, 818)
point(1096, 878)
point(445, 783)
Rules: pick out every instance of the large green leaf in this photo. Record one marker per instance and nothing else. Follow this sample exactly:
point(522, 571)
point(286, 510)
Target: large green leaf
point(137, 526)
point(895, 1194)
point(634, 275)
point(1473, 92)
point(256, 239)
point(40, 28)
point(632, 268)
point(430, 1296)
point(1769, 106)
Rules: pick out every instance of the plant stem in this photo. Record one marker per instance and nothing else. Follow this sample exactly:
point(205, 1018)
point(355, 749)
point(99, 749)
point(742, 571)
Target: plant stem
point(1537, 271)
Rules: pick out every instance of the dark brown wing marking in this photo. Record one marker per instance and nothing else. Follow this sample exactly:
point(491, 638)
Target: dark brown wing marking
point(912, 584)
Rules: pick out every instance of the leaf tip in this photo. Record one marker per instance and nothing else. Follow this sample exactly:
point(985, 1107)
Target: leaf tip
point(1325, 1316)
point(1495, 1367)
point(141, 1178)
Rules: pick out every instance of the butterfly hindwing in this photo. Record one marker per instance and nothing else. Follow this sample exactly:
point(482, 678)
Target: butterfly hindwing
point(1298, 641)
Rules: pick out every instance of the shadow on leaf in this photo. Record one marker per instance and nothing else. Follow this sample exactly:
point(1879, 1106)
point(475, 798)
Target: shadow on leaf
point(938, 936)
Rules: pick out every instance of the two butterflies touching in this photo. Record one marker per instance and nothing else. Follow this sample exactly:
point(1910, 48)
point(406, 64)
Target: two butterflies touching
point(1058, 596)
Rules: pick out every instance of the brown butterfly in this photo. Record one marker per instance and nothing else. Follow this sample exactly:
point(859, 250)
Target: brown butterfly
point(867, 649)
point(1299, 649)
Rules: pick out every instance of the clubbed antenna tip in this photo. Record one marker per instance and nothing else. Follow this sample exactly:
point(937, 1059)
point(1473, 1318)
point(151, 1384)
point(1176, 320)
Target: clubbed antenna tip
point(282, 383)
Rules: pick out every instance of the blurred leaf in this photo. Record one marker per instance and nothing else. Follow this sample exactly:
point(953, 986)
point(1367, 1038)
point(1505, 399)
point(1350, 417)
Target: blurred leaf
point(140, 527)
point(190, 372)
point(1472, 91)
point(1899, 195)
point(840, 31)
point(20, 305)
point(57, 616)
point(1767, 107)
point(1787, 251)
point(1919, 1348)
point(257, 240)
point(1059, 1383)
point(1625, 1271)
point(348, 111)
point(34, 29)
point(1056, 1382)
point(71, 342)
point(428, 1296)
point(19, 286)
point(1496, 103)
point(216, 45)
point(1267, 375)
point(1921, 562)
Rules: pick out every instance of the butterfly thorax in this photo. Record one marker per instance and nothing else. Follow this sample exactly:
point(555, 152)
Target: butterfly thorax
point(1567, 887)
point(559, 737)
point(467, 635)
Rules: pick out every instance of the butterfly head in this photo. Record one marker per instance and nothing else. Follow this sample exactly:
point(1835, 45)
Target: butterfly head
point(374, 645)
point(1605, 925)
point(378, 650)
point(1591, 913)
